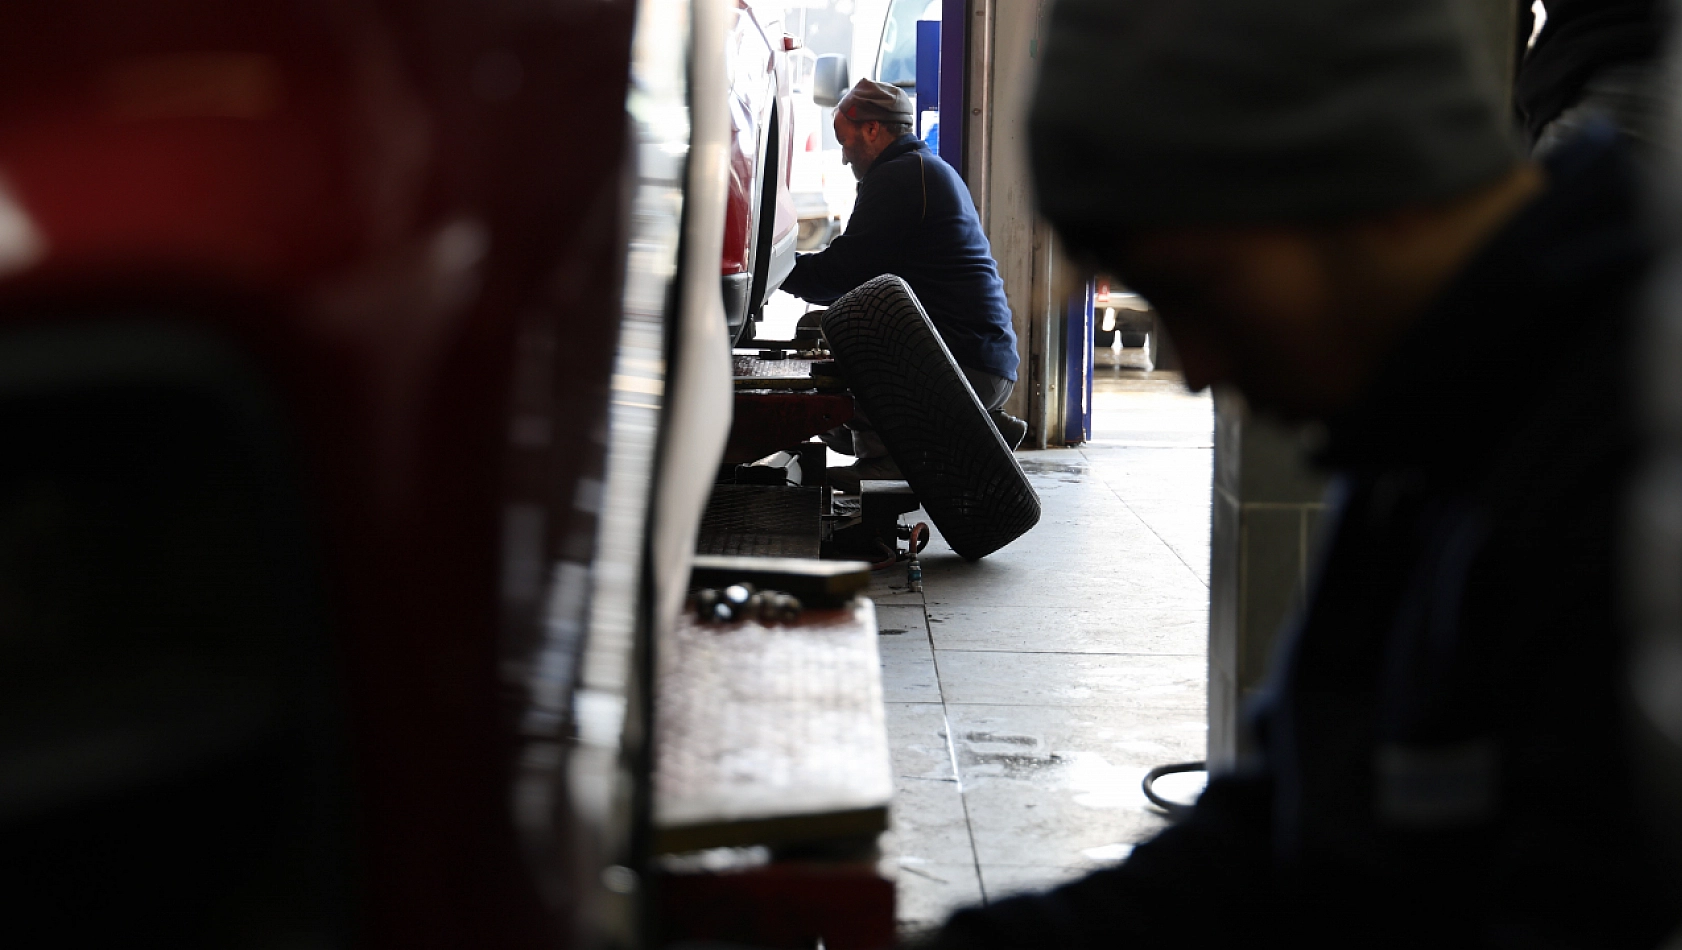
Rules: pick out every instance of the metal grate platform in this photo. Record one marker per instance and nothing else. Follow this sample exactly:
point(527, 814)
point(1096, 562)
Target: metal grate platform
point(752, 367)
point(771, 734)
point(761, 521)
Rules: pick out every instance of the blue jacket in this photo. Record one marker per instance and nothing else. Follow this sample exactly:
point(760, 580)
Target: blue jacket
point(913, 218)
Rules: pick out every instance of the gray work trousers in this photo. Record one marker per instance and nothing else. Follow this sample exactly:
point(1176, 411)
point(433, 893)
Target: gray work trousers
point(991, 390)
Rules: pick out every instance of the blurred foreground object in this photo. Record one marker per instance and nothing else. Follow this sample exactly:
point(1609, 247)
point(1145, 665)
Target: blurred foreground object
point(311, 628)
point(1654, 526)
point(1384, 105)
point(1439, 758)
point(1591, 59)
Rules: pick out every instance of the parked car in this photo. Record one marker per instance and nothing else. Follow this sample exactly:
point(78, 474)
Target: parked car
point(309, 315)
point(1121, 313)
point(819, 223)
point(896, 51)
point(761, 224)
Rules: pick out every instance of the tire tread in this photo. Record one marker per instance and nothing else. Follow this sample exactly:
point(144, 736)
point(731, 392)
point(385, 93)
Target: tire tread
point(911, 388)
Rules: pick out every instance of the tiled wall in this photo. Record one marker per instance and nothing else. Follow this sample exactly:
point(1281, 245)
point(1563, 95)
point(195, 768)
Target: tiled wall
point(1266, 511)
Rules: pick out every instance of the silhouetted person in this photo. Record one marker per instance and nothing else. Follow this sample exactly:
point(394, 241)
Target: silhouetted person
point(1324, 202)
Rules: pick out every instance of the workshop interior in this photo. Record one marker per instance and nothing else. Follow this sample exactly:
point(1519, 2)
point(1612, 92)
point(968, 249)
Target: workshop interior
point(845, 474)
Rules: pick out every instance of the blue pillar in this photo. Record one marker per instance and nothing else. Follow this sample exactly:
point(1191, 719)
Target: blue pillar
point(928, 70)
point(1077, 368)
point(954, 55)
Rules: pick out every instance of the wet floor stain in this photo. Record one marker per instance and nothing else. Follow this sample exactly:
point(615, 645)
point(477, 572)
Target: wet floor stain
point(1085, 778)
point(981, 754)
point(993, 737)
point(1017, 765)
point(1073, 472)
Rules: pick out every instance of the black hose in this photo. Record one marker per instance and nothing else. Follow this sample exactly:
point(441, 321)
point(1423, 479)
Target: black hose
point(1175, 810)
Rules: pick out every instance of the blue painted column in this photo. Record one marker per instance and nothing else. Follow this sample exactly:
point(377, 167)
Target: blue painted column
point(954, 59)
point(928, 71)
point(1077, 368)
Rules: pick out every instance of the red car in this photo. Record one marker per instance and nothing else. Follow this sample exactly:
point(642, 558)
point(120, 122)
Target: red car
point(761, 225)
point(309, 320)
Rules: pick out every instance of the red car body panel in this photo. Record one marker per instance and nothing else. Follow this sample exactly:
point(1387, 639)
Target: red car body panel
point(389, 209)
point(759, 83)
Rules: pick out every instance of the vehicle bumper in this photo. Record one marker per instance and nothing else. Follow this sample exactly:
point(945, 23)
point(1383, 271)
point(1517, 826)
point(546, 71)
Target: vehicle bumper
point(736, 287)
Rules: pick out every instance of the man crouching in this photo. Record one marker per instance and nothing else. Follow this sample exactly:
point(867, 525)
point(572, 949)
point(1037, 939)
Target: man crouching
point(913, 218)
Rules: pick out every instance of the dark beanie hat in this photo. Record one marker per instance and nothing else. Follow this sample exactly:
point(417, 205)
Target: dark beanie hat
point(1153, 113)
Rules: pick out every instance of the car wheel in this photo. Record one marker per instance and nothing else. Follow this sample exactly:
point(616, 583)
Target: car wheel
point(914, 394)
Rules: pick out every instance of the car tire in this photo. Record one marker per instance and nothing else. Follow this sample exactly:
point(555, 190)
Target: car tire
point(911, 389)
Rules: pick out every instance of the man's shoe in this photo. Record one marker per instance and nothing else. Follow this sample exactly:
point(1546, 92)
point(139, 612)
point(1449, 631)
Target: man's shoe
point(847, 479)
point(1013, 430)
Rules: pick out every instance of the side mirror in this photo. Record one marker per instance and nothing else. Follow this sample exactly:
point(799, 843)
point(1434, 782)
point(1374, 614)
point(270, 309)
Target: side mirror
point(829, 80)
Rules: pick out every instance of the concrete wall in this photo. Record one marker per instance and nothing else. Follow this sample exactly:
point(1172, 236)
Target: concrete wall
point(1004, 46)
point(1266, 514)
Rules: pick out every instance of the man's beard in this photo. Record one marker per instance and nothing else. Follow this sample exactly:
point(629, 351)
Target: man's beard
point(852, 161)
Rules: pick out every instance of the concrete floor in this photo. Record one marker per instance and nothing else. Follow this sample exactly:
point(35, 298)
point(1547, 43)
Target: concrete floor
point(1029, 692)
